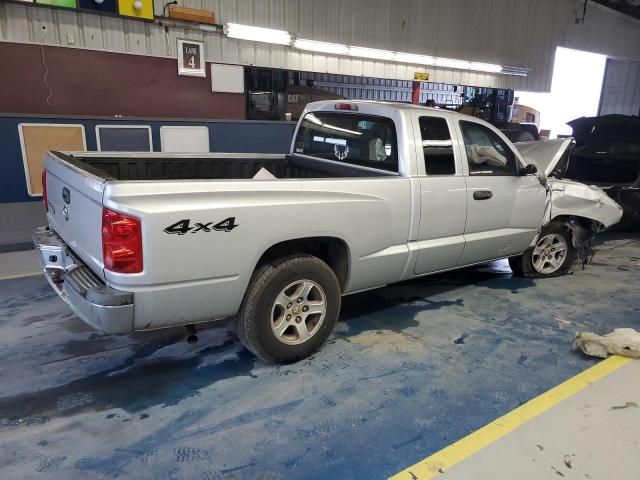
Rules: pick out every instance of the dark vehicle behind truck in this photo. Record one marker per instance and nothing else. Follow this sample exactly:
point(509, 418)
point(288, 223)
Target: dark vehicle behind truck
point(607, 154)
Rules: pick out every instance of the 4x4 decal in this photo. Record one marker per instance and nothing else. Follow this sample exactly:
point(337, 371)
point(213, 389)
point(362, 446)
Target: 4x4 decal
point(183, 227)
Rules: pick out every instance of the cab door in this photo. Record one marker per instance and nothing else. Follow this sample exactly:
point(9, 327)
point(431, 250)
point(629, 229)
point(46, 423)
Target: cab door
point(443, 195)
point(504, 208)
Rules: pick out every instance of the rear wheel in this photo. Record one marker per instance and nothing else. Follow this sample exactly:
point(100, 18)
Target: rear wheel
point(290, 308)
point(552, 255)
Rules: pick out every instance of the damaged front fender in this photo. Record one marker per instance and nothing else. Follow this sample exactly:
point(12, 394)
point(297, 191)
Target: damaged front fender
point(584, 209)
point(574, 199)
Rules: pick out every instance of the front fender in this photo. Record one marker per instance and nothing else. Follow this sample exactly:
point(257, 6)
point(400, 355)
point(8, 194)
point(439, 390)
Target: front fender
point(569, 198)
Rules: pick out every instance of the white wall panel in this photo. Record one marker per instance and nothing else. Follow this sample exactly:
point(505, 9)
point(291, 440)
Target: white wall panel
point(16, 25)
point(621, 88)
point(90, 31)
point(509, 32)
point(135, 36)
point(67, 25)
point(113, 33)
point(42, 26)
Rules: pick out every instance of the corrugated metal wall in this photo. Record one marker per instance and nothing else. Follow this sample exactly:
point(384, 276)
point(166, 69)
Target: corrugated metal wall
point(509, 32)
point(621, 88)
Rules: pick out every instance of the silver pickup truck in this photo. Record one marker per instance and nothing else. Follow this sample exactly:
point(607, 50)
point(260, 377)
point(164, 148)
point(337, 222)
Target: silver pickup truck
point(372, 193)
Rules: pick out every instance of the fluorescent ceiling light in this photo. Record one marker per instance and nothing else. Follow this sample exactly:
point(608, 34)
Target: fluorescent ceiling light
point(282, 37)
point(518, 71)
point(313, 119)
point(207, 28)
point(257, 34)
point(414, 59)
point(371, 53)
point(452, 63)
point(485, 67)
point(322, 47)
point(340, 129)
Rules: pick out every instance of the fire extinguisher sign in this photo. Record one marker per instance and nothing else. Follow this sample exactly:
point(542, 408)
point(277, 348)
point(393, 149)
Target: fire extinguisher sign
point(191, 58)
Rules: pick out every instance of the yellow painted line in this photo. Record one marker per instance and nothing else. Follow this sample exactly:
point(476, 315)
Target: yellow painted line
point(446, 458)
point(20, 275)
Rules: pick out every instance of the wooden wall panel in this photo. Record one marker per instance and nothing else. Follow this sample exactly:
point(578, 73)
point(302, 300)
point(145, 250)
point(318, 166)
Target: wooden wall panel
point(86, 82)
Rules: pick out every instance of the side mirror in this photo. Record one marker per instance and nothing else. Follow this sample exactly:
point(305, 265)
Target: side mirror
point(530, 169)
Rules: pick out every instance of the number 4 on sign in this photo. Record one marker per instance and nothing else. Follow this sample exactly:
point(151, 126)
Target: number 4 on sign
point(192, 61)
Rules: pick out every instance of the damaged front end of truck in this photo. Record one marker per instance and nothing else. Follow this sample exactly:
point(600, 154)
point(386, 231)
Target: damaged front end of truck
point(585, 209)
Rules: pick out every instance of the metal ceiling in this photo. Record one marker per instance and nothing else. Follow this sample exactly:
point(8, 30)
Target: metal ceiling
point(628, 7)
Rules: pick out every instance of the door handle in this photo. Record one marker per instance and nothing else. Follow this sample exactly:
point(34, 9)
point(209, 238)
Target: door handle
point(482, 195)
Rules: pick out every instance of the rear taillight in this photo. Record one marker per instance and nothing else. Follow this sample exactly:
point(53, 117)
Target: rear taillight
point(121, 242)
point(44, 190)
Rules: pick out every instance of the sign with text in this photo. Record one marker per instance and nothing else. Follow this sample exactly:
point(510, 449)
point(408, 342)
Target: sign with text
point(191, 58)
point(424, 76)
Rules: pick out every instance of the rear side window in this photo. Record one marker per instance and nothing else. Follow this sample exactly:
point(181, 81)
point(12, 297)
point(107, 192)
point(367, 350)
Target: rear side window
point(365, 140)
point(437, 146)
point(487, 153)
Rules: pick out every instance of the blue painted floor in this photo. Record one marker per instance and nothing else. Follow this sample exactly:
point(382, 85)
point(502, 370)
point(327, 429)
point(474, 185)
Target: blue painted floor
point(410, 369)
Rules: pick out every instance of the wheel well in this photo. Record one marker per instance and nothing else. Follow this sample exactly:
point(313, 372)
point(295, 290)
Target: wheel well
point(331, 250)
point(583, 222)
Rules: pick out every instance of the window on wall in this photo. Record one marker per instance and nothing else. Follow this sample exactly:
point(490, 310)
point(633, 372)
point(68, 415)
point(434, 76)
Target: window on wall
point(365, 140)
point(437, 146)
point(487, 153)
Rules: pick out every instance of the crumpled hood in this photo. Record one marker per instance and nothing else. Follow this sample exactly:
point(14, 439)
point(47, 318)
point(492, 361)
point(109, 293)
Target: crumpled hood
point(545, 155)
point(574, 198)
point(606, 128)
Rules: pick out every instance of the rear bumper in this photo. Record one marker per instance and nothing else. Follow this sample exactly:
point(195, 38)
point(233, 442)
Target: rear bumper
point(101, 307)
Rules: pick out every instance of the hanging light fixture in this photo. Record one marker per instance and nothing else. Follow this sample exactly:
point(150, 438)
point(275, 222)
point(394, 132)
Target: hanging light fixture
point(282, 37)
point(257, 34)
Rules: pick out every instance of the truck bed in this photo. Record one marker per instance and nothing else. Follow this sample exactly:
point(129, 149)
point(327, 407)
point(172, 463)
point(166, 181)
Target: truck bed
point(156, 166)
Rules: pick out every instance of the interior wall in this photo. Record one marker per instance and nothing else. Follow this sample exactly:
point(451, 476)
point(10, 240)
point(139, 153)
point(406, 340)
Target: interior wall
point(508, 32)
point(17, 222)
point(20, 213)
point(224, 136)
point(621, 88)
point(85, 82)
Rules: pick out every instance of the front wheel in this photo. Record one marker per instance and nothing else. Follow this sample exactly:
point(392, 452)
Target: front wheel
point(552, 255)
point(290, 308)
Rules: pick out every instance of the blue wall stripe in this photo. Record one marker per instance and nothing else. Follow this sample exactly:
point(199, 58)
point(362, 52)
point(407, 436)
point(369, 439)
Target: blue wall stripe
point(231, 136)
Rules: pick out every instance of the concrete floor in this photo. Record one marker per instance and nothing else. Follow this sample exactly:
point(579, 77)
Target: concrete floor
point(410, 369)
point(592, 435)
point(18, 264)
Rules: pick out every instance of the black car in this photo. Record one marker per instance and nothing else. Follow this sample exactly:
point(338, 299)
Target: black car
point(607, 154)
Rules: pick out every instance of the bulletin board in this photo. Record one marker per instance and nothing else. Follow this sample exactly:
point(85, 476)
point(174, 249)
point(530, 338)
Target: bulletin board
point(108, 6)
point(184, 139)
point(36, 139)
point(124, 138)
point(227, 78)
point(58, 3)
point(138, 9)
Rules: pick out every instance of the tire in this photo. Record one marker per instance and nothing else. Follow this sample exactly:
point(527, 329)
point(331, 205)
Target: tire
point(555, 236)
point(273, 325)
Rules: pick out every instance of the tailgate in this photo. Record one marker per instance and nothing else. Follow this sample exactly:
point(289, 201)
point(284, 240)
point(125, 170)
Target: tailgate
point(75, 207)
